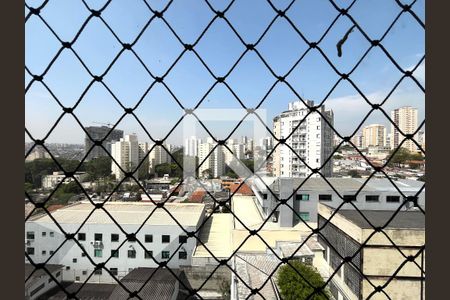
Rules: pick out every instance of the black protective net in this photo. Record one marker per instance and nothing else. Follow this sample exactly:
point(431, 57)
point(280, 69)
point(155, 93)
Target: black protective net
point(342, 252)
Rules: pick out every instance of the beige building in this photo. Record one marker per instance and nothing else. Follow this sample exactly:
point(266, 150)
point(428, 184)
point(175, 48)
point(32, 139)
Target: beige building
point(374, 135)
point(357, 140)
point(378, 260)
point(406, 120)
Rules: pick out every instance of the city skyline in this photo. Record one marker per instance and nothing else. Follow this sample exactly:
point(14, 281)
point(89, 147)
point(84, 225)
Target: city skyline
point(313, 78)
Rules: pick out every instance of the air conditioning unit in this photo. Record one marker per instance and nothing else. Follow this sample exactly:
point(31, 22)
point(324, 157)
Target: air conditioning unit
point(97, 244)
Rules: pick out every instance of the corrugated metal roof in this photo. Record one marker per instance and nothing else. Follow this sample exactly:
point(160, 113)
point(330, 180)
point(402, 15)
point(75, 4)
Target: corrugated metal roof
point(161, 286)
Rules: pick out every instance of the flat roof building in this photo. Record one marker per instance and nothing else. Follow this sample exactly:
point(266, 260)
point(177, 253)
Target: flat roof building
point(392, 259)
point(101, 238)
point(304, 195)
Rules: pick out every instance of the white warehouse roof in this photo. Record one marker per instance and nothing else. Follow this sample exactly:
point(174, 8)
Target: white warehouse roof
point(126, 213)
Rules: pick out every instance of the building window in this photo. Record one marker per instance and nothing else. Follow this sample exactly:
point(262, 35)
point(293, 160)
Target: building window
point(182, 255)
point(52, 234)
point(392, 198)
point(304, 216)
point(98, 253)
point(166, 239)
point(264, 196)
point(325, 197)
point(98, 272)
point(82, 236)
point(165, 254)
point(30, 251)
point(149, 238)
point(115, 253)
point(67, 268)
point(131, 253)
point(98, 237)
point(77, 278)
point(44, 233)
point(114, 237)
point(83, 254)
point(84, 272)
point(114, 271)
point(148, 254)
point(30, 235)
point(33, 292)
point(349, 198)
point(182, 239)
point(302, 197)
point(372, 198)
point(74, 260)
point(51, 252)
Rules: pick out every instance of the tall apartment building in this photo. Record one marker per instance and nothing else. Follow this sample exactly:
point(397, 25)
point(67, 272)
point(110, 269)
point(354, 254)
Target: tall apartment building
point(126, 153)
point(238, 151)
point(357, 140)
point(312, 140)
point(191, 146)
point(374, 135)
point(98, 133)
point(406, 119)
point(157, 156)
point(214, 162)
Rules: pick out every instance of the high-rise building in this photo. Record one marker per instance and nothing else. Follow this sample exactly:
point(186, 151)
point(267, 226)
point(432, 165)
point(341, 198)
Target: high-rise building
point(357, 140)
point(374, 135)
point(312, 140)
point(406, 120)
point(191, 146)
point(214, 162)
point(126, 153)
point(98, 133)
point(158, 156)
point(238, 151)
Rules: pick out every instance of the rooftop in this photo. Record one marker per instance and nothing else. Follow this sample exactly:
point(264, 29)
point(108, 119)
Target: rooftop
point(88, 291)
point(161, 286)
point(350, 184)
point(29, 268)
point(216, 235)
point(134, 213)
point(402, 220)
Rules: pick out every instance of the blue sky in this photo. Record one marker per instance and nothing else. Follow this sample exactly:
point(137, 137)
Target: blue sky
point(189, 80)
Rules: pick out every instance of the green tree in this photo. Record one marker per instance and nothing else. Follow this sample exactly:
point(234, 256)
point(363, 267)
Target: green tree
point(98, 167)
point(294, 287)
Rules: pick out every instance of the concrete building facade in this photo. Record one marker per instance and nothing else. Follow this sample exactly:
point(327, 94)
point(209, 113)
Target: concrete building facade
point(374, 135)
point(347, 234)
point(377, 194)
point(158, 155)
point(100, 237)
point(214, 162)
point(312, 140)
point(126, 153)
point(406, 120)
point(98, 133)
